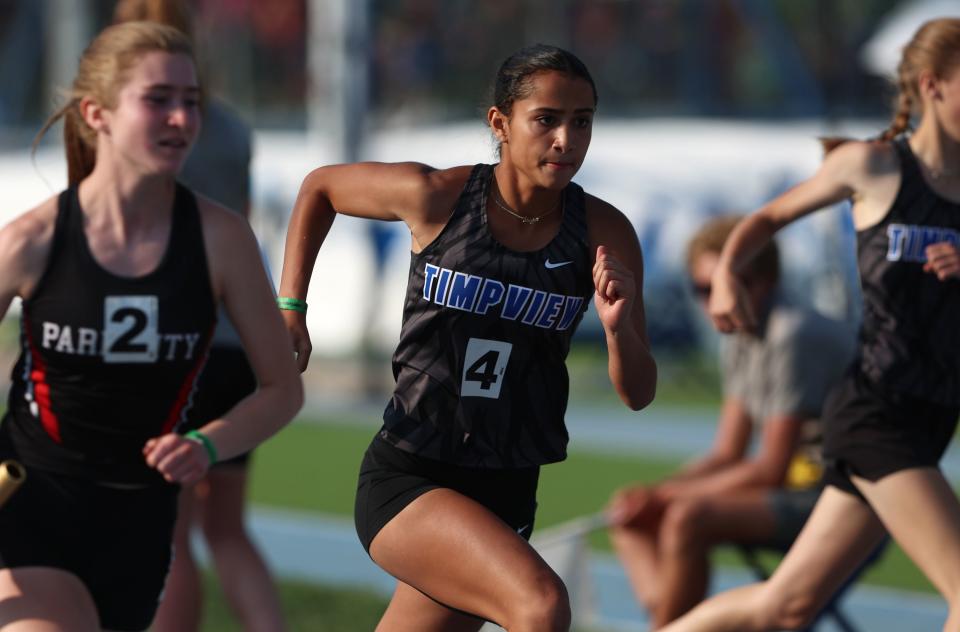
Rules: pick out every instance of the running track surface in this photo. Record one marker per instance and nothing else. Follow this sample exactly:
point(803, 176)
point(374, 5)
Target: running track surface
point(325, 549)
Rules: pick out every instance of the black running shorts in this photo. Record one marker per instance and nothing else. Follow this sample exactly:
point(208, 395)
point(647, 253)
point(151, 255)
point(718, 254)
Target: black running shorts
point(116, 541)
point(872, 432)
point(390, 479)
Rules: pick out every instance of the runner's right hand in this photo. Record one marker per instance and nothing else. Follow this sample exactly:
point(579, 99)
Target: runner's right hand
point(729, 305)
point(296, 323)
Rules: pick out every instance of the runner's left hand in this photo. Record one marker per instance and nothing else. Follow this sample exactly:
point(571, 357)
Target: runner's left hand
point(178, 459)
point(943, 259)
point(615, 290)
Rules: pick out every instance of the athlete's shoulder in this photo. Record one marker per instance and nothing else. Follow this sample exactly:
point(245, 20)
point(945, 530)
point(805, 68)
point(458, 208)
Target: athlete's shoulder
point(601, 209)
point(604, 218)
point(229, 242)
point(410, 181)
point(608, 226)
point(31, 232)
point(218, 221)
point(866, 158)
point(451, 177)
point(439, 189)
point(445, 182)
point(25, 244)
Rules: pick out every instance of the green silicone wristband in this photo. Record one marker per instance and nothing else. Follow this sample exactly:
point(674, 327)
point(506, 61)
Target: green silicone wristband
point(204, 440)
point(292, 304)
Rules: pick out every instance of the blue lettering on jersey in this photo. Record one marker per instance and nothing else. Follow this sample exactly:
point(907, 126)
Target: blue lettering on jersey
point(550, 311)
point(517, 296)
point(534, 307)
point(471, 293)
point(463, 292)
point(442, 285)
point(490, 294)
point(571, 307)
point(429, 276)
point(907, 242)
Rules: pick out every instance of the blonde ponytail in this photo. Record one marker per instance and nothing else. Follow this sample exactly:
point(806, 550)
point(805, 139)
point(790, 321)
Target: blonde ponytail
point(81, 153)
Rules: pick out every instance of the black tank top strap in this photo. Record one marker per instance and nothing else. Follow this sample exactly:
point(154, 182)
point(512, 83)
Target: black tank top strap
point(75, 243)
point(477, 183)
point(909, 169)
point(62, 225)
point(187, 221)
point(64, 206)
point(472, 201)
point(467, 215)
point(61, 234)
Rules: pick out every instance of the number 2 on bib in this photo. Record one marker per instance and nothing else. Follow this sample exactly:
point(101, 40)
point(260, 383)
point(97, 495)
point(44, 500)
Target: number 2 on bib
point(484, 365)
point(130, 329)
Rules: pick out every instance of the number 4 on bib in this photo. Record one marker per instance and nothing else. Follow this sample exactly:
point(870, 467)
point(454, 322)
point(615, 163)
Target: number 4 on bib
point(484, 365)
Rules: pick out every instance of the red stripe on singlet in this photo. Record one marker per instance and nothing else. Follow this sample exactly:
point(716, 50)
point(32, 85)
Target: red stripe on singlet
point(183, 396)
point(41, 390)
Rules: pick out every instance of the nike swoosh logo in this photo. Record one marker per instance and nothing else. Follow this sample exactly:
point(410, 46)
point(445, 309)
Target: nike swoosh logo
point(549, 265)
point(526, 526)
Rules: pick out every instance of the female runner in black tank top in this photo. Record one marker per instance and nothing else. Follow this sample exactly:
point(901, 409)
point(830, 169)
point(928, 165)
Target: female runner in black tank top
point(505, 259)
point(218, 168)
point(120, 278)
point(887, 425)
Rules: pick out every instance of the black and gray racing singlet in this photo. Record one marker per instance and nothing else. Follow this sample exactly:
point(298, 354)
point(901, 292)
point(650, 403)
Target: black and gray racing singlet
point(910, 338)
point(109, 361)
point(481, 379)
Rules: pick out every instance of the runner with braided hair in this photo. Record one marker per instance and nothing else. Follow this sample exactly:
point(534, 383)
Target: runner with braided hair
point(888, 423)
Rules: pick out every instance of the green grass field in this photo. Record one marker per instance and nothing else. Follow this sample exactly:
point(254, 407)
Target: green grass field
point(313, 466)
point(308, 608)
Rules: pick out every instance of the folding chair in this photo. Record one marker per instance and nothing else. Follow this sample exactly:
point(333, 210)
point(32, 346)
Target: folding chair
point(831, 611)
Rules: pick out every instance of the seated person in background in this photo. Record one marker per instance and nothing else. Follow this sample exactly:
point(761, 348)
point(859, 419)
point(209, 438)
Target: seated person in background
point(775, 381)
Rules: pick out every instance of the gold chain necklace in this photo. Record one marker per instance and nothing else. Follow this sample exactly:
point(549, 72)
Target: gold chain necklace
point(524, 218)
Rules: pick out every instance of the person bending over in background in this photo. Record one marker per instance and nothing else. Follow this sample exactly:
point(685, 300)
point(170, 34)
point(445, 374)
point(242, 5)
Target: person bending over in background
point(775, 380)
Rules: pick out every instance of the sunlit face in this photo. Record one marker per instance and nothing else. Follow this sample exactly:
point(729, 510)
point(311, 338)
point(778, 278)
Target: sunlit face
point(547, 133)
point(156, 118)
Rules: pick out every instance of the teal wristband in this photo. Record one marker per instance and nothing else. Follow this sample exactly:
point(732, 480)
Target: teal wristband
point(204, 440)
point(292, 304)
